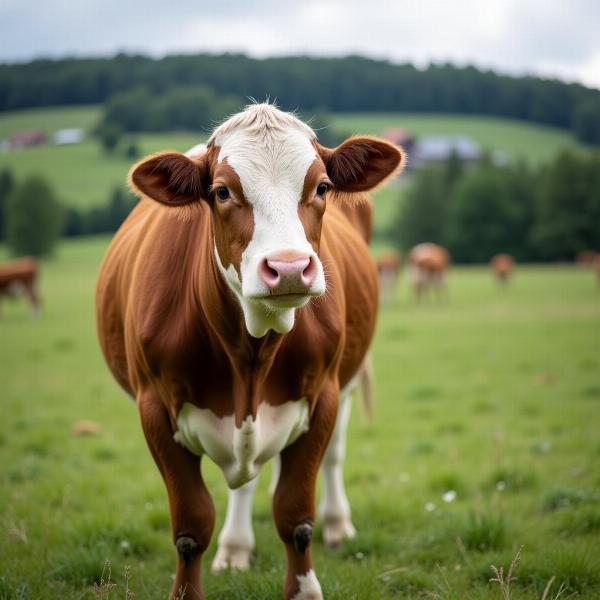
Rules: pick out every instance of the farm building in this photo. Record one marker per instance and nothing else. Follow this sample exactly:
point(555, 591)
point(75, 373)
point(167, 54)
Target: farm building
point(24, 139)
point(73, 135)
point(399, 136)
point(437, 148)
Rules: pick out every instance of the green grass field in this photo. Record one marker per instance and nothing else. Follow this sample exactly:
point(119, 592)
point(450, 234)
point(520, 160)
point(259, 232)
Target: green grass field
point(48, 120)
point(84, 175)
point(494, 394)
point(518, 139)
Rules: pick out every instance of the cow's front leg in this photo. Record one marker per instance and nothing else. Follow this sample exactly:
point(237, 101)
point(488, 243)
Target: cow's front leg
point(191, 507)
point(294, 498)
point(334, 509)
point(236, 540)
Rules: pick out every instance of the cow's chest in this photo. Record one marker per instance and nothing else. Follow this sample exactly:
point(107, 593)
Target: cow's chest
point(241, 451)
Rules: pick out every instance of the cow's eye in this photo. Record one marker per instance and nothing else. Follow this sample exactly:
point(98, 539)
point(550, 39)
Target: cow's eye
point(222, 194)
point(322, 189)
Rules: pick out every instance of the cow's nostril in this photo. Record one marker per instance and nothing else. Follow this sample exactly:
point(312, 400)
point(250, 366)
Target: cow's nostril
point(269, 275)
point(310, 272)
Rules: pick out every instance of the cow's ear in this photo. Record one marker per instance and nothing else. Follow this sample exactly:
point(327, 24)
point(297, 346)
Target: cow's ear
point(361, 163)
point(171, 178)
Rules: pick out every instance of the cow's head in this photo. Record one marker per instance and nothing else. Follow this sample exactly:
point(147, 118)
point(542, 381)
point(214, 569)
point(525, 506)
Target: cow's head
point(266, 179)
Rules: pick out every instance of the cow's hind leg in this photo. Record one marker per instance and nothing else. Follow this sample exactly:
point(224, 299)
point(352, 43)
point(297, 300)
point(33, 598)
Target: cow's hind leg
point(294, 498)
point(31, 291)
point(236, 540)
point(191, 507)
point(334, 509)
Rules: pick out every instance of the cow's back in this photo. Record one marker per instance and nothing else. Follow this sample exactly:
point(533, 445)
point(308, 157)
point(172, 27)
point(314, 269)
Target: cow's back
point(23, 270)
point(429, 257)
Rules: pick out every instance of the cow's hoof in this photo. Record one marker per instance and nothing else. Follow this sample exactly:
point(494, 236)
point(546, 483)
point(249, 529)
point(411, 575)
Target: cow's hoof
point(337, 529)
point(231, 557)
point(310, 589)
point(187, 547)
point(303, 536)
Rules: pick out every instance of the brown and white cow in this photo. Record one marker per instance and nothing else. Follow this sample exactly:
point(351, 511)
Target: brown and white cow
point(586, 258)
point(21, 277)
point(428, 266)
point(388, 266)
point(502, 266)
point(236, 304)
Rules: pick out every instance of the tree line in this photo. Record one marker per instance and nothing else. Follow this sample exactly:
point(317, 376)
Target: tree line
point(32, 218)
point(542, 214)
point(179, 108)
point(550, 213)
point(352, 83)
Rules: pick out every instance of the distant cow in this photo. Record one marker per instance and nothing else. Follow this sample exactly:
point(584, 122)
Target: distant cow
point(388, 266)
point(586, 258)
point(236, 304)
point(428, 266)
point(502, 267)
point(21, 277)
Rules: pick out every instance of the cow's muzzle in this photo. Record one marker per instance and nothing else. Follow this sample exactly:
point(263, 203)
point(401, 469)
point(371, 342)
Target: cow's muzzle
point(288, 273)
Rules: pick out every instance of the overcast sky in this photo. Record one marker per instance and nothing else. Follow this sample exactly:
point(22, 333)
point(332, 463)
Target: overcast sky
point(556, 38)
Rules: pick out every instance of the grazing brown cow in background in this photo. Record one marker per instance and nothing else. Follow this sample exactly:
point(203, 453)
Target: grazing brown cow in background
point(238, 310)
point(428, 266)
point(388, 266)
point(502, 267)
point(21, 276)
point(586, 258)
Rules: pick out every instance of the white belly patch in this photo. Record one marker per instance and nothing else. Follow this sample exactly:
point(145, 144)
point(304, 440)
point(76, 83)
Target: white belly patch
point(241, 451)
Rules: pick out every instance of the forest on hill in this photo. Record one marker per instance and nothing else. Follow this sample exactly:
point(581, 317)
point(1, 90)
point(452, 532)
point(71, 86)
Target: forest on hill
point(333, 84)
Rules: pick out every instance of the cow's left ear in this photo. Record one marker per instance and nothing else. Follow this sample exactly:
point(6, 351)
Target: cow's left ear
point(361, 163)
point(171, 178)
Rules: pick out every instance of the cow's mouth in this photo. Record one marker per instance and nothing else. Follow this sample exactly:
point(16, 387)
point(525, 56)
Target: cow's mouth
point(285, 300)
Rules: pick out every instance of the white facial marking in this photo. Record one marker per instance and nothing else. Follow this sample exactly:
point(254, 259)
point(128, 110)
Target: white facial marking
point(271, 152)
point(258, 318)
point(310, 588)
point(241, 451)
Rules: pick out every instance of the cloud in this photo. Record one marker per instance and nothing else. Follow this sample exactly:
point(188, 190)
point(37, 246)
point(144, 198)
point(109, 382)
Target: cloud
point(551, 37)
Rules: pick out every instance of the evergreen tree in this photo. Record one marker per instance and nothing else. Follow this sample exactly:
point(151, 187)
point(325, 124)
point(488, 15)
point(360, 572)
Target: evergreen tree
point(7, 184)
point(33, 219)
point(567, 215)
point(422, 218)
point(489, 214)
point(110, 135)
point(586, 121)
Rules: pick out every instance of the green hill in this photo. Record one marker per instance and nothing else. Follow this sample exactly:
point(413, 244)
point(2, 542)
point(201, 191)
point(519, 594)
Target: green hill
point(518, 139)
point(84, 175)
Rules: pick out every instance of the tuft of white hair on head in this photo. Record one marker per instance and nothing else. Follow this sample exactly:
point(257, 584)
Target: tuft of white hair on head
point(261, 119)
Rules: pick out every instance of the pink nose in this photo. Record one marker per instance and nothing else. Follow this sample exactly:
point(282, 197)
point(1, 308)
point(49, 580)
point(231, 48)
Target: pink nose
point(288, 274)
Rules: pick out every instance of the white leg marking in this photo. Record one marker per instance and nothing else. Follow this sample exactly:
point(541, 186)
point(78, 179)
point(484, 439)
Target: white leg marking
point(310, 588)
point(275, 472)
point(334, 509)
point(236, 540)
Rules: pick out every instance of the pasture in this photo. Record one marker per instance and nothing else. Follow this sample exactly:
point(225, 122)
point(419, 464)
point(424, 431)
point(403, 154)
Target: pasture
point(520, 140)
point(493, 395)
point(83, 175)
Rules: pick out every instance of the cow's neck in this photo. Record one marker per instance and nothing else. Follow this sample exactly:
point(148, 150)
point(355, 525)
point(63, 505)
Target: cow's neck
point(251, 358)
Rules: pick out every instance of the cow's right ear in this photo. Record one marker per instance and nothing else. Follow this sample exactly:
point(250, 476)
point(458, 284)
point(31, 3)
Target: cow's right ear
point(171, 178)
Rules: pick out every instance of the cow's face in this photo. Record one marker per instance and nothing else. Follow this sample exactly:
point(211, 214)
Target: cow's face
point(267, 180)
